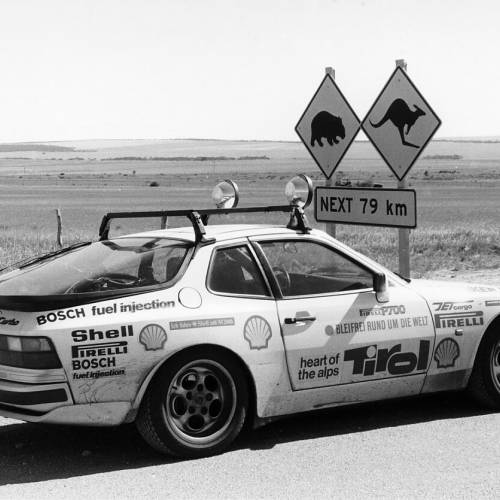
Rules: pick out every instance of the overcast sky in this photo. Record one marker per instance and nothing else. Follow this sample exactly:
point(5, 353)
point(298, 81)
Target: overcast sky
point(232, 69)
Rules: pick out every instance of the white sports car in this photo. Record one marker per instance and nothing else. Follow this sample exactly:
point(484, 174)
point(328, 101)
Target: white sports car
point(192, 332)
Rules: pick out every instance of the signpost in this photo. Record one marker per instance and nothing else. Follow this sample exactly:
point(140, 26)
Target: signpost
point(327, 128)
point(367, 207)
point(400, 124)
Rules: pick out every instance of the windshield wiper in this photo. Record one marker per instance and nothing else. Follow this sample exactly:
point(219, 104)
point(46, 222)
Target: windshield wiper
point(33, 260)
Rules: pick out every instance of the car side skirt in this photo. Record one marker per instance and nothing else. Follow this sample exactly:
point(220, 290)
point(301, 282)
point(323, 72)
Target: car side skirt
point(92, 414)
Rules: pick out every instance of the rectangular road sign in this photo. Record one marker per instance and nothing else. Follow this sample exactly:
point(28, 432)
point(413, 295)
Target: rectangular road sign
point(367, 207)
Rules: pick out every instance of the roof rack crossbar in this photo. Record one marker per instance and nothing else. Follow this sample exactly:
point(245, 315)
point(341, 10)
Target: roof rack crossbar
point(199, 218)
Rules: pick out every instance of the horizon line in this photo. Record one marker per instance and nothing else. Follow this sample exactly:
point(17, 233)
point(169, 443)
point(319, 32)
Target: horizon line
point(478, 138)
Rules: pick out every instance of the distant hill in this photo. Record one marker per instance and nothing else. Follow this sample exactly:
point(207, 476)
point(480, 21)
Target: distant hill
point(212, 150)
point(40, 147)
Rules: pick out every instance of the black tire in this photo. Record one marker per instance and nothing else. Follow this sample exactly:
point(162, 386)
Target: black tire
point(196, 404)
point(484, 384)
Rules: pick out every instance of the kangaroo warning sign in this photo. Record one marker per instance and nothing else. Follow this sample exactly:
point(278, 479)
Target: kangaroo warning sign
point(328, 126)
point(400, 123)
point(367, 207)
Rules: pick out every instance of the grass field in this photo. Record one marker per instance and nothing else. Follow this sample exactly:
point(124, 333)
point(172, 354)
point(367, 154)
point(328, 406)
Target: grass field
point(457, 184)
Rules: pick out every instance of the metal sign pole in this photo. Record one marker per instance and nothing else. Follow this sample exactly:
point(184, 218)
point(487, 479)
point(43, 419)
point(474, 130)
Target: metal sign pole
point(330, 228)
point(404, 233)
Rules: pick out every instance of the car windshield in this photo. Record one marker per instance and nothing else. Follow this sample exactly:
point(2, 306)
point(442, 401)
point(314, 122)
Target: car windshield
point(100, 267)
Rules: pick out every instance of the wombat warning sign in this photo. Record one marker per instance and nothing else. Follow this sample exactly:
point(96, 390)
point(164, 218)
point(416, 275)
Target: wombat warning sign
point(328, 126)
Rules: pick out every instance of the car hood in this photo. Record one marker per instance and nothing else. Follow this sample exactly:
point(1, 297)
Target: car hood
point(452, 290)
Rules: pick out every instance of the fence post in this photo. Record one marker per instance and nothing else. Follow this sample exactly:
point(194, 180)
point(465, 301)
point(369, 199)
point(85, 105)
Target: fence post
point(59, 228)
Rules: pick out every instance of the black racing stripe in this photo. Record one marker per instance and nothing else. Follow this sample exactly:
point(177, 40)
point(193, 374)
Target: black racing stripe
point(33, 398)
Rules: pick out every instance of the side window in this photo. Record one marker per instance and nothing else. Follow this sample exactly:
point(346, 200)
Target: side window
point(167, 262)
point(308, 268)
point(160, 265)
point(234, 270)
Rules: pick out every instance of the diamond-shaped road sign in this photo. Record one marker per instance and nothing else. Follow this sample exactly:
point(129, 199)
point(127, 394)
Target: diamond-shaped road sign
point(328, 126)
point(400, 123)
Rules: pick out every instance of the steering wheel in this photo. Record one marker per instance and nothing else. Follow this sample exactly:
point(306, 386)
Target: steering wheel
point(109, 281)
point(283, 279)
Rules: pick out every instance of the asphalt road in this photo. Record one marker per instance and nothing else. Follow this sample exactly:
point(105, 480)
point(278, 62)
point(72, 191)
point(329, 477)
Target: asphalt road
point(439, 446)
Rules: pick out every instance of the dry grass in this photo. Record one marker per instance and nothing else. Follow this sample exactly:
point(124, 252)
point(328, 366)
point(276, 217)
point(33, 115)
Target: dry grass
point(458, 224)
point(430, 250)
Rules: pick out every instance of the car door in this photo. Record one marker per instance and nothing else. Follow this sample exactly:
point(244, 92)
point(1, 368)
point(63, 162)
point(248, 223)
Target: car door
point(334, 330)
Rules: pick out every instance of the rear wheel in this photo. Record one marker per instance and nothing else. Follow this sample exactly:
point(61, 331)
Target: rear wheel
point(196, 405)
point(485, 379)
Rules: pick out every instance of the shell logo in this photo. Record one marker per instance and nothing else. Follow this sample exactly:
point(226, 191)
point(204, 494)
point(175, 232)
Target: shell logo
point(257, 332)
point(446, 353)
point(153, 337)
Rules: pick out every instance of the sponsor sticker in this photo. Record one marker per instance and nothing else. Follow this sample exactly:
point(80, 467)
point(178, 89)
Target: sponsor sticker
point(323, 367)
point(132, 307)
point(93, 335)
point(446, 353)
point(8, 321)
point(383, 311)
point(103, 310)
point(453, 306)
point(371, 359)
point(99, 359)
point(459, 319)
point(153, 337)
point(257, 332)
point(201, 323)
point(53, 316)
point(377, 324)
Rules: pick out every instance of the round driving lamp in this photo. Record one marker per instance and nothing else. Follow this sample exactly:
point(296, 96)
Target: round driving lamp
point(299, 191)
point(226, 194)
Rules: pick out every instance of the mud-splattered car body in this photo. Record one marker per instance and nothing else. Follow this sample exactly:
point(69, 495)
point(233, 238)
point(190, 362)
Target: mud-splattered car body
point(267, 318)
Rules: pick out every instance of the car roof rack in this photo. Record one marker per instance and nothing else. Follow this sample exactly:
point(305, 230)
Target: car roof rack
point(199, 218)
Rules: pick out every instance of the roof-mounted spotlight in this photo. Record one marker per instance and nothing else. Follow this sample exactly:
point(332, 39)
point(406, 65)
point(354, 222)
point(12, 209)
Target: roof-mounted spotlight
point(226, 194)
point(299, 191)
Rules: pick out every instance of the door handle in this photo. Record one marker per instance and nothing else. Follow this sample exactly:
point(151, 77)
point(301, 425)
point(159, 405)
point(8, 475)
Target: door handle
point(292, 321)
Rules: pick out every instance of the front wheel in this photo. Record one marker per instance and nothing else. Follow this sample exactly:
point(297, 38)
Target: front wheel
point(485, 379)
point(196, 405)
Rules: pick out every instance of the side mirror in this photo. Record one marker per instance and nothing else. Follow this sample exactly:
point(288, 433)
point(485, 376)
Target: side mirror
point(380, 287)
